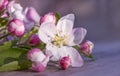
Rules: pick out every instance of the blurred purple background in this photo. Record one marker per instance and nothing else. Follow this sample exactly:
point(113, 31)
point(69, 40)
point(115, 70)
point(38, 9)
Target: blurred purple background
point(100, 17)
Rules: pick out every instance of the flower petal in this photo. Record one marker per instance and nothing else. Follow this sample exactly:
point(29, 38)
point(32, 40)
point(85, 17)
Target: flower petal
point(58, 53)
point(32, 15)
point(79, 34)
point(36, 55)
point(40, 65)
point(55, 52)
point(46, 60)
point(70, 17)
point(69, 40)
point(76, 59)
point(38, 68)
point(47, 32)
point(65, 24)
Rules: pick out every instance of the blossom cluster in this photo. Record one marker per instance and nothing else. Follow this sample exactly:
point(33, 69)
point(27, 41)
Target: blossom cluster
point(60, 41)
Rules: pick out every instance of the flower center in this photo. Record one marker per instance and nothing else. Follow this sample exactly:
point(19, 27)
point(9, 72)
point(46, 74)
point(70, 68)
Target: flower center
point(58, 41)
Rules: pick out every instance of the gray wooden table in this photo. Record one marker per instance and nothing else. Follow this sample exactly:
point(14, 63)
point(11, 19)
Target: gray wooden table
point(107, 63)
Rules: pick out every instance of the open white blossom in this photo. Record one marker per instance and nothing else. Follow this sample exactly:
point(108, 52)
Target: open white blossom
point(60, 38)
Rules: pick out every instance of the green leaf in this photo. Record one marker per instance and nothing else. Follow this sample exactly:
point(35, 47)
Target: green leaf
point(57, 16)
point(9, 67)
point(10, 58)
point(23, 62)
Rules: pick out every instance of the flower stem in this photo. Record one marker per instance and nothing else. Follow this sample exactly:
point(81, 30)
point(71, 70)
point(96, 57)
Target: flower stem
point(5, 36)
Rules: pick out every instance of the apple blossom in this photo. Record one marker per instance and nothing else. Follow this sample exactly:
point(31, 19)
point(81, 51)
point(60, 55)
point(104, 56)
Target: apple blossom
point(65, 62)
point(86, 47)
point(39, 60)
point(16, 27)
point(34, 40)
point(50, 17)
point(60, 38)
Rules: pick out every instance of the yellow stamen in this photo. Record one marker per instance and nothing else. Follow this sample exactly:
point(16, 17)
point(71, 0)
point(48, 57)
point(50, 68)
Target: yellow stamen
point(58, 41)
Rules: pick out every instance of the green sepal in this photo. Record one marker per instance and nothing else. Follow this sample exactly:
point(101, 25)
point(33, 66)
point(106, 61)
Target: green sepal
point(4, 21)
point(78, 49)
point(41, 46)
point(57, 16)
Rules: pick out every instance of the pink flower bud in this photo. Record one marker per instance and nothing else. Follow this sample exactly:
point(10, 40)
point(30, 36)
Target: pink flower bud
point(32, 15)
point(3, 4)
point(38, 67)
point(39, 60)
point(16, 27)
point(65, 62)
point(50, 17)
point(86, 47)
point(34, 40)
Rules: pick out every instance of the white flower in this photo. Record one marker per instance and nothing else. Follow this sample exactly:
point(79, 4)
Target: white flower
point(60, 38)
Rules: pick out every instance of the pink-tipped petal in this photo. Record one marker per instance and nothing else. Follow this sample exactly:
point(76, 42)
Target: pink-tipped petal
point(32, 15)
point(39, 60)
point(36, 55)
point(38, 67)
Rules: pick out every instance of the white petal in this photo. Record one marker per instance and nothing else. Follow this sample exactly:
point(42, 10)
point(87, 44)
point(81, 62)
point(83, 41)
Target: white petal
point(58, 53)
point(47, 32)
point(45, 61)
point(65, 24)
point(37, 57)
point(75, 57)
point(79, 34)
point(69, 40)
point(55, 52)
point(70, 17)
point(18, 15)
